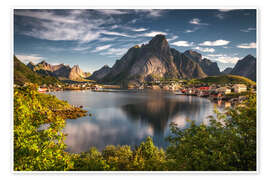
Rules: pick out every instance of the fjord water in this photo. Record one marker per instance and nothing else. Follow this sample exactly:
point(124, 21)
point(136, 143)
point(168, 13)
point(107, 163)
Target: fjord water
point(128, 117)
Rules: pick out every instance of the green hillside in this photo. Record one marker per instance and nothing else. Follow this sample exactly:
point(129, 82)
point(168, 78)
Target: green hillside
point(23, 74)
point(227, 79)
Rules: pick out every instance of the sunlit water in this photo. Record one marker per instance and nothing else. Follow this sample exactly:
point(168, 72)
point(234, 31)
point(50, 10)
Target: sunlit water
point(128, 117)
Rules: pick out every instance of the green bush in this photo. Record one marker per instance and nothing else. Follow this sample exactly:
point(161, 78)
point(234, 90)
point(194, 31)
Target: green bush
point(229, 143)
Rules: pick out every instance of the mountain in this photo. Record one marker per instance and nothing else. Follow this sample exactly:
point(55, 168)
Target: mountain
point(148, 62)
point(61, 71)
point(23, 74)
point(186, 67)
point(153, 61)
point(209, 68)
point(101, 73)
point(227, 70)
point(246, 67)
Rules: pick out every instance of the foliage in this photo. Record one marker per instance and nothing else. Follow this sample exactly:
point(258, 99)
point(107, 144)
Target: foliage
point(148, 157)
point(229, 143)
point(37, 147)
point(23, 74)
point(227, 79)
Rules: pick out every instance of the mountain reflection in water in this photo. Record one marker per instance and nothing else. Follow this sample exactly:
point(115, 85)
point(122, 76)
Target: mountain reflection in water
point(121, 118)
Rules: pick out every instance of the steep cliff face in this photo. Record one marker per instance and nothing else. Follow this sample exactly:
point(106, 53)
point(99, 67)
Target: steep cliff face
point(152, 61)
point(209, 68)
point(195, 56)
point(227, 71)
point(101, 73)
point(187, 68)
point(61, 71)
point(76, 73)
point(246, 67)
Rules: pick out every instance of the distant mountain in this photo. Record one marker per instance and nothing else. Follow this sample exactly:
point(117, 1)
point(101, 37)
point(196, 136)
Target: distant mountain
point(186, 67)
point(23, 74)
point(209, 68)
point(61, 71)
point(227, 70)
point(246, 67)
point(101, 73)
point(153, 61)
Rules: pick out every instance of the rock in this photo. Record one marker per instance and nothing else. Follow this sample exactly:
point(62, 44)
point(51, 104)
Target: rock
point(246, 67)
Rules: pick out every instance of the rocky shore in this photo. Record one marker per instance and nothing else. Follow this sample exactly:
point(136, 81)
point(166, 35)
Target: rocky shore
point(72, 113)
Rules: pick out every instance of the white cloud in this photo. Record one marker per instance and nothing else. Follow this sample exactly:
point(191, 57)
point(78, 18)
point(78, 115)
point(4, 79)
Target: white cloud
point(220, 15)
point(223, 13)
point(111, 11)
point(90, 36)
point(182, 43)
point(69, 26)
point(139, 29)
point(219, 42)
point(27, 58)
point(192, 30)
point(114, 33)
point(115, 51)
point(151, 12)
point(248, 29)
point(227, 10)
point(105, 39)
point(223, 58)
point(114, 26)
point(81, 48)
point(247, 45)
point(101, 48)
point(211, 50)
point(172, 38)
point(46, 16)
point(153, 33)
point(134, 21)
point(196, 21)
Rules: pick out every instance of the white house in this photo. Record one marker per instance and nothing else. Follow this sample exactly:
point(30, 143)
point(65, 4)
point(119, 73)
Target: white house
point(238, 88)
point(224, 90)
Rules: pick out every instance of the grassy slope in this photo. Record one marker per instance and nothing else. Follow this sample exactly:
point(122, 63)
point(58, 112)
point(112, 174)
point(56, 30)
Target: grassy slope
point(226, 79)
point(23, 74)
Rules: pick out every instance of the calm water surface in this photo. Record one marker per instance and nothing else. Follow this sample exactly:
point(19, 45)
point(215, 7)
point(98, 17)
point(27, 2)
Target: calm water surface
point(126, 117)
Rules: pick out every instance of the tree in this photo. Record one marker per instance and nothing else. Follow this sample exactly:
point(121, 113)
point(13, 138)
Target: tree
point(38, 140)
point(229, 143)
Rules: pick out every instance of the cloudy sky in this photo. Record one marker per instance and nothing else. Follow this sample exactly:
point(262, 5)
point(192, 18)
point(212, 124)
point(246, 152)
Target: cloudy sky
point(93, 38)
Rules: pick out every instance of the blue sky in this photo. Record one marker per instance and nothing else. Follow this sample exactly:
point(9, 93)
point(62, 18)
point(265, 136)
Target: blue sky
point(93, 38)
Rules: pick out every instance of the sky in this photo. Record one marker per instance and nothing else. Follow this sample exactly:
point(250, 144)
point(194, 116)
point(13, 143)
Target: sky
point(92, 38)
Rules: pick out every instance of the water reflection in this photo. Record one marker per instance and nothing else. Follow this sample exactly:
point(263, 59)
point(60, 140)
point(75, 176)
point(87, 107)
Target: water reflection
point(158, 111)
point(128, 118)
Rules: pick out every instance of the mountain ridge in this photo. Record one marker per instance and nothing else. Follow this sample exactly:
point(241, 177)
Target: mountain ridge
point(246, 67)
point(155, 60)
point(60, 71)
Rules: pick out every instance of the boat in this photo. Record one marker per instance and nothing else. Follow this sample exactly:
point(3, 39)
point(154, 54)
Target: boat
point(178, 93)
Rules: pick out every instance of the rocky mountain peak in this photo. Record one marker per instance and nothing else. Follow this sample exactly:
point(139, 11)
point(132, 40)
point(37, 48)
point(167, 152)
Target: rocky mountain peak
point(246, 67)
point(158, 39)
point(194, 55)
point(43, 62)
point(31, 65)
point(228, 70)
point(159, 43)
point(105, 66)
point(249, 57)
point(76, 67)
